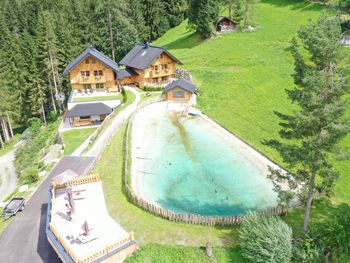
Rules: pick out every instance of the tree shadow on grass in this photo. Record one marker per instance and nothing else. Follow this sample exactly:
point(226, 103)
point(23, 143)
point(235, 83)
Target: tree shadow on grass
point(187, 41)
point(296, 4)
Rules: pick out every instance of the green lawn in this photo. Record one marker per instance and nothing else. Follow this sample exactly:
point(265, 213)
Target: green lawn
point(130, 97)
point(178, 254)
point(242, 77)
point(72, 139)
point(84, 99)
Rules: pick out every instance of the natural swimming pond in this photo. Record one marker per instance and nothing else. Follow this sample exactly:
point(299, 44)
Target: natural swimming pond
point(190, 165)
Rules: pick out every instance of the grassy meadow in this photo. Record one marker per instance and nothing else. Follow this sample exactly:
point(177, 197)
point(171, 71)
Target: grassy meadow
point(242, 77)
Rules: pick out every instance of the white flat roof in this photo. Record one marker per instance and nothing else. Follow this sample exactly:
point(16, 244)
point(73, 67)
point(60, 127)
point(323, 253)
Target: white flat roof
point(89, 206)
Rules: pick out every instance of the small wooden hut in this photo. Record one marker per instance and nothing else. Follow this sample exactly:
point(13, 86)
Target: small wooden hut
point(225, 24)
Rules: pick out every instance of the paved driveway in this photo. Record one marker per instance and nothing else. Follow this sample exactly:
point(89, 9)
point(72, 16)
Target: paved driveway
point(24, 240)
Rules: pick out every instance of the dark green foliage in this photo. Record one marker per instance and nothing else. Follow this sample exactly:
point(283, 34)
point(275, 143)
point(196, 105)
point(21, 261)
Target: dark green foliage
point(39, 38)
point(202, 14)
point(153, 88)
point(30, 175)
point(327, 241)
point(314, 130)
point(29, 155)
point(125, 96)
point(265, 239)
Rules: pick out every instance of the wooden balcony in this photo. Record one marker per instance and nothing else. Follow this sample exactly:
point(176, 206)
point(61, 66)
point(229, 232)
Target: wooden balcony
point(81, 122)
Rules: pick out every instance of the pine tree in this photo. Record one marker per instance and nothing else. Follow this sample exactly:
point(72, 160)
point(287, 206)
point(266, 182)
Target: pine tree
point(314, 130)
point(48, 52)
point(247, 13)
point(202, 14)
point(135, 12)
point(155, 18)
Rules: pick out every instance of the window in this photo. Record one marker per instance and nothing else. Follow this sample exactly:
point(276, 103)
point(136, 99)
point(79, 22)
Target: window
point(164, 78)
point(98, 73)
point(93, 61)
point(155, 81)
point(87, 61)
point(179, 94)
point(161, 56)
point(86, 86)
point(84, 117)
point(165, 66)
point(100, 87)
point(85, 74)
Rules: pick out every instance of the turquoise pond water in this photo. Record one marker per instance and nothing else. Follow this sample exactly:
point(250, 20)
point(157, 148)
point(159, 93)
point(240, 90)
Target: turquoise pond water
point(187, 166)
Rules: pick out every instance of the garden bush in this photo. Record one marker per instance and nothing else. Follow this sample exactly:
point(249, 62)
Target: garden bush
point(265, 239)
point(125, 96)
point(30, 175)
point(31, 153)
point(152, 88)
point(328, 240)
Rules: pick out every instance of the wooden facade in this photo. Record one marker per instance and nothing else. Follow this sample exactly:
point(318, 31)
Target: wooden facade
point(160, 72)
point(225, 24)
point(92, 74)
point(178, 94)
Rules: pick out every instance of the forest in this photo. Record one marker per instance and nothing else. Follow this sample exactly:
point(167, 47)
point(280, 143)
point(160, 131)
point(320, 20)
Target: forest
point(38, 38)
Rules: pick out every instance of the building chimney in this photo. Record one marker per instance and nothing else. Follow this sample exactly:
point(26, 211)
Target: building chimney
point(146, 45)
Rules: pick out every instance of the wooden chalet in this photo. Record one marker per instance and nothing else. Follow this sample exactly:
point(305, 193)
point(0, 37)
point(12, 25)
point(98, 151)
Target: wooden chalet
point(147, 65)
point(84, 114)
point(92, 71)
point(225, 24)
point(180, 90)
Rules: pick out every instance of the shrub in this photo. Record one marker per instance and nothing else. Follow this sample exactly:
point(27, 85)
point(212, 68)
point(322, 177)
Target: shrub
point(30, 175)
point(152, 88)
point(32, 151)
point(328, 240)
point(265, 239)
point(125, 96)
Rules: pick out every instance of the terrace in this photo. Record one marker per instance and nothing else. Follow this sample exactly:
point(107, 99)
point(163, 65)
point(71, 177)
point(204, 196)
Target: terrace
point(82, 225)
point(93, 95)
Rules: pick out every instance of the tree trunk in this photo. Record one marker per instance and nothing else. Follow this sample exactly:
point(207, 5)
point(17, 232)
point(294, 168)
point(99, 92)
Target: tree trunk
point(52, 98)
point(10, 126)
point(5, 130)
point(309, 202)
point(43, 113)
point(111, 34)
point(54, 80)
point(208, 250)
point(1, 142)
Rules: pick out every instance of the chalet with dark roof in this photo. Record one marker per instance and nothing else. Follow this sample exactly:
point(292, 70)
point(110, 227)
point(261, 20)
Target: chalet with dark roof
point(88, 113)
point(180, 90)
point(91, 71)
point(148, 65)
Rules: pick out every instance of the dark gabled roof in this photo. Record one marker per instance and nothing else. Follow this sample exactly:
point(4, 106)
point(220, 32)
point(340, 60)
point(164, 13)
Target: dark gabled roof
point(142, 55)
point(88, 109)
point(125, 72)
point(224, 17)
point(93, 52)
point(182, 84)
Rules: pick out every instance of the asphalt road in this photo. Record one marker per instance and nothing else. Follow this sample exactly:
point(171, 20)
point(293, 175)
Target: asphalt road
point(24, 240)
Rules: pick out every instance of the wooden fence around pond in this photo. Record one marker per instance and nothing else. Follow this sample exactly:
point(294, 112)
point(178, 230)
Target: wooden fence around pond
point(173, 216)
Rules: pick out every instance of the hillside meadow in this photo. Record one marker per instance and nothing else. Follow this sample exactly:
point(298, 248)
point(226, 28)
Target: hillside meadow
point(242, 77)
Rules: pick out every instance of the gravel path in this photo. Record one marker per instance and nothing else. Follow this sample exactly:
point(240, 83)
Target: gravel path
point(8, 176)
point(105, 137)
